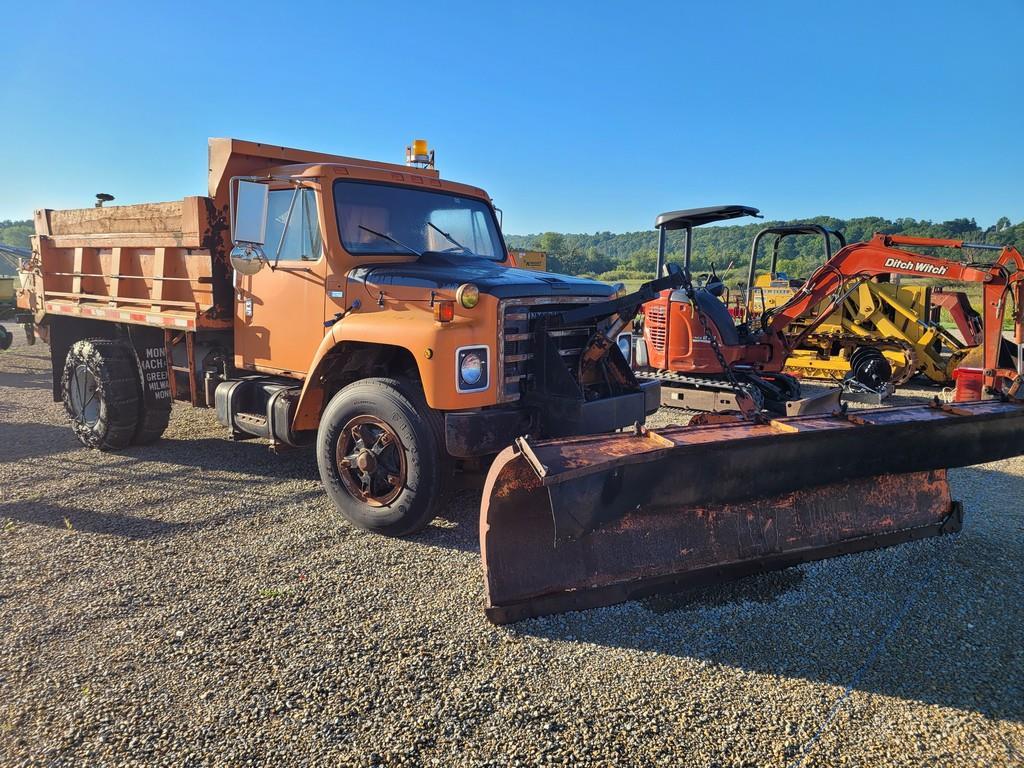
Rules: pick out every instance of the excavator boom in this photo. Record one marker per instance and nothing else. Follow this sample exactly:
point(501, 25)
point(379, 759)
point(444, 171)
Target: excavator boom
point(881, 255)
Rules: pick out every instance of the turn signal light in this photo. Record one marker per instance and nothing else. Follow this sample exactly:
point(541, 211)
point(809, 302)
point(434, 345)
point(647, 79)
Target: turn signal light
point(444, 311)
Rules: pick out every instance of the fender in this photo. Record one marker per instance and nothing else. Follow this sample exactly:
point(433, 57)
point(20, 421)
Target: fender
point(432, 346)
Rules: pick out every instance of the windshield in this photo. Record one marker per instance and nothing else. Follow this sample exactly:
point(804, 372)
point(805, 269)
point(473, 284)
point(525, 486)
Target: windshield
point(388, 219)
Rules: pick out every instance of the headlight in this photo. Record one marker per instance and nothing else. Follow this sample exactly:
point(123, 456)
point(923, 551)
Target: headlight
point(468, 295)
point(471, 368)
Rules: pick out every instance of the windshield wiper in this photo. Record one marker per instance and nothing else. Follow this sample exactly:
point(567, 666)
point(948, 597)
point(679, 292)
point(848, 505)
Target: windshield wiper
point(391, 239)
point(449, 238)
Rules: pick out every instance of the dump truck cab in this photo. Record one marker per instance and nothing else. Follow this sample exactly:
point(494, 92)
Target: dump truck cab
point(409, 275)
point(368, 309)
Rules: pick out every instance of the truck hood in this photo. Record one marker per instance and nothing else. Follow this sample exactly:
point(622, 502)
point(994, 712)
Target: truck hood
point(436, 271)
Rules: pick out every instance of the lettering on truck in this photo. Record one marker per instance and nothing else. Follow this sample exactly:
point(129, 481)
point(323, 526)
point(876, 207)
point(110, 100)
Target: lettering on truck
point(155, 372)
point(916, 266)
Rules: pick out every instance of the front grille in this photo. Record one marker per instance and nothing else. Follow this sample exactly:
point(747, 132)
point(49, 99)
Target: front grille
point(517, 324)
point(654, 325)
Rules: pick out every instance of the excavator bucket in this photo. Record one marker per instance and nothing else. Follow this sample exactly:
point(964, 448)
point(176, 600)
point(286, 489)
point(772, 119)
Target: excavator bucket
point(577, 523)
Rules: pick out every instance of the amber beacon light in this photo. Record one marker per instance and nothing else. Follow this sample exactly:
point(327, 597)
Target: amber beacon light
point(418, 154)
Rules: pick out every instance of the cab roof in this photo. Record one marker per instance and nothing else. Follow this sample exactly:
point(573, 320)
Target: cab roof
point(358, 171)
point(233, 157)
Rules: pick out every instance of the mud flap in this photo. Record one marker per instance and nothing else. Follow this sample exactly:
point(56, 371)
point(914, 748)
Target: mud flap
point(583, 522)
point(153, 370)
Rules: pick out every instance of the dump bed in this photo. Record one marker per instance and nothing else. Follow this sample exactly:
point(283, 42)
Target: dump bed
point(150, 264)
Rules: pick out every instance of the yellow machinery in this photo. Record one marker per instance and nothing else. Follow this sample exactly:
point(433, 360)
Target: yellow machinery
point(535, 260)
point(10, 257)
point(896, 319)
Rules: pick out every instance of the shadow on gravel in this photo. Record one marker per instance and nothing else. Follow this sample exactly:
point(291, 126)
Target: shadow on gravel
point(939, 621)
point(766, 589)
point(26, 379)
point(457, 527)
point(211, 454)
point(74, 518)
point(21, 440)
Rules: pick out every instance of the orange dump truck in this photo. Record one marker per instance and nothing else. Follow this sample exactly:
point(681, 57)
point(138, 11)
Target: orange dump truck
point(366, 308)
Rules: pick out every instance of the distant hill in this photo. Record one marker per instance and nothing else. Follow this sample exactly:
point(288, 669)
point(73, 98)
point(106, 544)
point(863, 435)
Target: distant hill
point(632, 255)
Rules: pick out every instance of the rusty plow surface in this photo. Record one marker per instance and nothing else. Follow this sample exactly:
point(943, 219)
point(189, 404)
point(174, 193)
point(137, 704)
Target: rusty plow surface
point(581, 522)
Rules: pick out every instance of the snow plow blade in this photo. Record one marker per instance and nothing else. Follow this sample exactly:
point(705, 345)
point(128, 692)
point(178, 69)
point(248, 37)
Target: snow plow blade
point(577, 523)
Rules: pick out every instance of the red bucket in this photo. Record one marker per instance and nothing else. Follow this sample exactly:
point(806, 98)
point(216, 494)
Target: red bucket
point(969, 382)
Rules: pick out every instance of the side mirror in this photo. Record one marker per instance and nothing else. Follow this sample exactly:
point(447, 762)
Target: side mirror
point(249, 227)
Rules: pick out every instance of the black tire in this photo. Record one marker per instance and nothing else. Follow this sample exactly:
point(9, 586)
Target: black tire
point(101, 372)
point(153, 420)
point(6, 338)
point(408, 482)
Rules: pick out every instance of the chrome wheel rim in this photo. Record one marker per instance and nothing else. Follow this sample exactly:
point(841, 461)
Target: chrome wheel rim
point(84, 396)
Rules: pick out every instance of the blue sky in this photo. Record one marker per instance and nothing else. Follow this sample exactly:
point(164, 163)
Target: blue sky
point(575, 116)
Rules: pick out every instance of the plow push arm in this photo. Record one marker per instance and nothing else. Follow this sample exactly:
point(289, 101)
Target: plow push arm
point(1000, 280)
point(615, 315)
point(602, 393)
point(624, 307)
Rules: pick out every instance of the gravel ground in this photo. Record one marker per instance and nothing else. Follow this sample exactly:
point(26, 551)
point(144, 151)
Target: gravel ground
point(196, 602)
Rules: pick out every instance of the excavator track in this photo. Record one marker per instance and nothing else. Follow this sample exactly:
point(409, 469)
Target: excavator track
point(700, 393)
point(848, 342)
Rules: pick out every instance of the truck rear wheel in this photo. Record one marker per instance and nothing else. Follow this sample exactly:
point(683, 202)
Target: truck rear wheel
point(6, 337)
point(153, 420)
point(100, 389)
point(381, 457)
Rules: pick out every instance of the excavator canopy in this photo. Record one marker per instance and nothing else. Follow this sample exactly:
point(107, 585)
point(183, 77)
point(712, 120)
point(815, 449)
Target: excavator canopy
point(695, 217)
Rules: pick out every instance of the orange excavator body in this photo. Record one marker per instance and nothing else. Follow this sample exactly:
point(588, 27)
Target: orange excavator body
point(678, 340)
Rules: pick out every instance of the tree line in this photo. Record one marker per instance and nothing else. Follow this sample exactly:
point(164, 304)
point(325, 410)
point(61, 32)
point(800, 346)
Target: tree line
point(633, 255)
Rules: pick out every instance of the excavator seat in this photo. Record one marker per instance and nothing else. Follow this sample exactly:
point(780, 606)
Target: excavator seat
point(715, 311)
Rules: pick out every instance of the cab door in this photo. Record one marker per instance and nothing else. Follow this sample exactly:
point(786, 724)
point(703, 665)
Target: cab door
point(279, 311)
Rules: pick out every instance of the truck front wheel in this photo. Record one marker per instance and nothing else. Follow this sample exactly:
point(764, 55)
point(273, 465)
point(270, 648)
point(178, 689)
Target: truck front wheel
point(100, 389)
point(381, 458)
